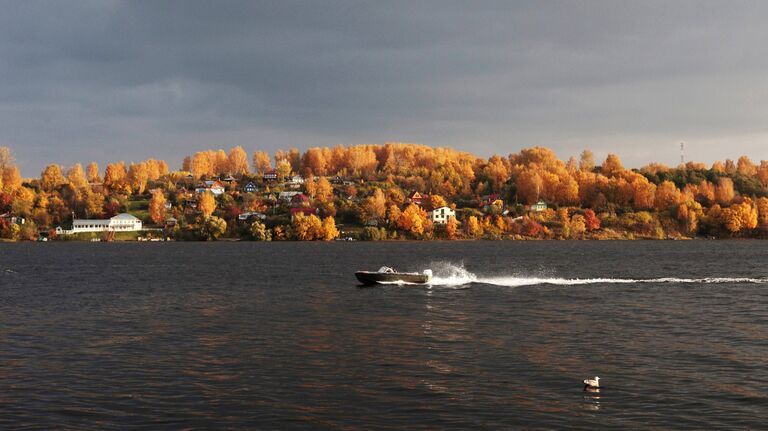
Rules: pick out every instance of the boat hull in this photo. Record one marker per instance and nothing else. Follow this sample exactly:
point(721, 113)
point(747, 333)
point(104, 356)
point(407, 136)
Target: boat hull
point(371, 278)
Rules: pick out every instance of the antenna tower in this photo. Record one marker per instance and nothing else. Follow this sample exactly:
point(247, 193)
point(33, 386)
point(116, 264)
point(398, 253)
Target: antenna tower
point(682, 153)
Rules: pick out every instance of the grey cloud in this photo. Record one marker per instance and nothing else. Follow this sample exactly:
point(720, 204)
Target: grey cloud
point(135, 79)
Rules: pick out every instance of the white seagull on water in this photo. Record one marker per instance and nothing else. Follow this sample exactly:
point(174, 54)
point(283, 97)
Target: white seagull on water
point(592, 383)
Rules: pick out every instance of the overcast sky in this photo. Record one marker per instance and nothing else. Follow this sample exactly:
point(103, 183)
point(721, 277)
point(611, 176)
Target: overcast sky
point(112, 80)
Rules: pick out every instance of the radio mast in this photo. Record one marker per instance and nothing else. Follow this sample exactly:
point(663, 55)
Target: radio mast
point(682, 153)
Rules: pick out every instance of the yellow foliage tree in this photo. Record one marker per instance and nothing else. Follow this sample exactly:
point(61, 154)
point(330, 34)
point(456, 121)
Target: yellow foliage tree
point(330, 232)
point(52, 178)
point(157, 209)
point(724, 192)
point(11, 179)
point(92, 173)
point(114, 174)
point(207, 204)
point(472, 227)
point(76, 177)
point(667, 195)
point(284, 168)
point(201, 164)
point(413, 220)
point(451, 228)
point(261, 162)
point(740, 217)
point(323, 189)
point(375, 206)
point(612, 166)
point(762, 211)
point(307, 228)
point(238, 161)
point(138, 175)
point(94, 204)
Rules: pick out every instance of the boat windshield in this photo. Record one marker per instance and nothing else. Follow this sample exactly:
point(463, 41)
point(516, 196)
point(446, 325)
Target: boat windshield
point(386, 269)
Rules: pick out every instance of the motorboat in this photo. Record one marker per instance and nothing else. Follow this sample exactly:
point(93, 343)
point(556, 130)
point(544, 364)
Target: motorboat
point(388, 275)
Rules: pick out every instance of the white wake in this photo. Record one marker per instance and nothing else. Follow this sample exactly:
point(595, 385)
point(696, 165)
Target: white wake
point(448, 274)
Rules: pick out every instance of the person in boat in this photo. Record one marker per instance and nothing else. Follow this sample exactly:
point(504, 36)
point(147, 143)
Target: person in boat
point(387, 270)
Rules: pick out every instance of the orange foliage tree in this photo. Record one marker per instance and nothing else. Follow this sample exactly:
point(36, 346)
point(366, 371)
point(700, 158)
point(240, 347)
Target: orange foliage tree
point(207, 204)
point(157, 209)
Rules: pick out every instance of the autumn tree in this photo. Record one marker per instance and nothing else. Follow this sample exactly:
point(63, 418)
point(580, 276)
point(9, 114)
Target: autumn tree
point(529, 186)
point(578, 226)
point(591, 222)
point(375, 207)
point(472, 227)
point(612, 166)
point(6, 158)
point(114, 175)
point(94, 204)
point(259, 232)
point(724, 192)
point(306, 228)
point(220, 163)
point(52, 178)
point(313, 162)
point(23, 202)
point(207, 204)
point(284, 168)
point(330, 232)
point(740, 217)
point(451, 228)
point(138, 176)
point(413, 219)
point(261, 162)
point(762, 211)
point(11, 179)
point(212, 228)
point(323, 190)
point(92, 173)
point(238, 161)
point(587, 162)
point(76, 177)
point(157, 211)
point(201, 164)
point(565, 222)
point(745, 167)
point(667, 195)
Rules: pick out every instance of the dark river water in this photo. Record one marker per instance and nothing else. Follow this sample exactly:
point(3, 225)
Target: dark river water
point(280, 336)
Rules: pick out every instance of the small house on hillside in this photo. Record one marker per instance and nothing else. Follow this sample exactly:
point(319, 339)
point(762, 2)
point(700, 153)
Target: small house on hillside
point(442, 215)
point(418, 198)
point(539, 206)
point(300, 199)
point(270, 175)
point(287, 196)
point(250, 188)
point(487, 200)
point(9, 218)
point(251, 215)
point(215, 187)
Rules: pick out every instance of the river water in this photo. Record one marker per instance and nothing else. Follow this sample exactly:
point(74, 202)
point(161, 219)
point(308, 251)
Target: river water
point(280, 336)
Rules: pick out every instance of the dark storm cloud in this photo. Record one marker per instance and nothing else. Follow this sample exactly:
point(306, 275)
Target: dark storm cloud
point(110, 80)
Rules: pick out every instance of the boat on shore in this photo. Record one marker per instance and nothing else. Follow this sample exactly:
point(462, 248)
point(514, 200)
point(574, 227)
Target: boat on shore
point(388, 275)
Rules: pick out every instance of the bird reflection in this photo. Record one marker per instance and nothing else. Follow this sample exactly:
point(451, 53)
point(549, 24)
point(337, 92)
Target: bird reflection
point(592, 398)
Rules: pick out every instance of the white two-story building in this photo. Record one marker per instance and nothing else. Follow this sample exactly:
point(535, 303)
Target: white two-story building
point(441, 215)
point(119, 223)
